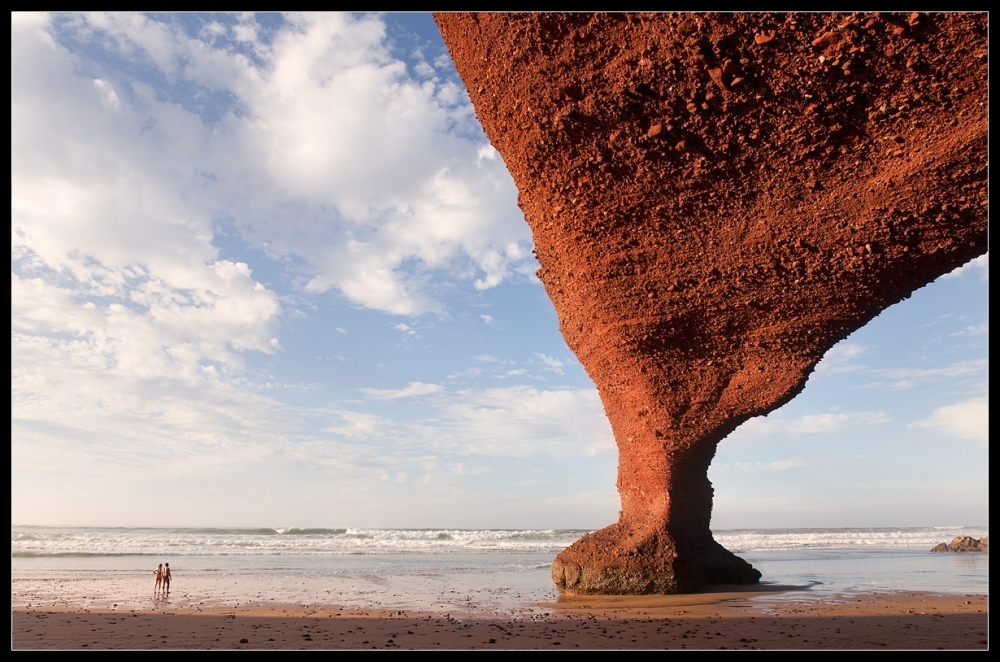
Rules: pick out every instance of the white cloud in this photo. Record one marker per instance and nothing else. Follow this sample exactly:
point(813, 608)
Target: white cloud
point(424, 70)
point(109, 96)
point(767, 427)
point(980, 264)
point(969, 419)
point(553, 364)
point(904, 378)
point(826, 423)
point(975, 330)
point(377, 183)
point(411, 390)
point(96, 402)
point(841, 359)
point(755, 467)
point(515, 421)
point(131, 328)
point(468, 372)
point(524, 420)
point(377, 176)
point(107, 242)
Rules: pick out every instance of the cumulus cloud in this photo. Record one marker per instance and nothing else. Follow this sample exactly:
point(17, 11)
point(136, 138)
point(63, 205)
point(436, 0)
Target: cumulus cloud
point(969, 419)
point(377, 178)
point(138, 141)
point(311, 138)
point(121, 306)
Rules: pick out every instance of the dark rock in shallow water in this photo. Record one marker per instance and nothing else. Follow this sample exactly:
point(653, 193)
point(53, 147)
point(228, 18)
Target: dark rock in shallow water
point(964, 544)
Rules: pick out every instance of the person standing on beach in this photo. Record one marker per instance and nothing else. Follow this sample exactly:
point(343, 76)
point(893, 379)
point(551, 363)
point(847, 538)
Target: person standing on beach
point(166, 579)
point(159, 579)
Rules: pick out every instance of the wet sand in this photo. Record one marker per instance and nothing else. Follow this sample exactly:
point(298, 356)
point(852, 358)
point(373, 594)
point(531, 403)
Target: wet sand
point(723, 618)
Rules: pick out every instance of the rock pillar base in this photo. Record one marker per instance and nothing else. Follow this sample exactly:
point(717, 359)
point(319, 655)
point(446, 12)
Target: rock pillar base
point(620, 560)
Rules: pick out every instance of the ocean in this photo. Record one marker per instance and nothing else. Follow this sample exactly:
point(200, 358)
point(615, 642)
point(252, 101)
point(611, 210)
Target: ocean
point(440, 570)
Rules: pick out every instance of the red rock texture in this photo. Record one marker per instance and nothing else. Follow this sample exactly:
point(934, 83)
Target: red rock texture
point(717, 200)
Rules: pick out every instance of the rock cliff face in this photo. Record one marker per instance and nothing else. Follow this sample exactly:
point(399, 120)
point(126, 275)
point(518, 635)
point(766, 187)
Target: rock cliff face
point(716, 200)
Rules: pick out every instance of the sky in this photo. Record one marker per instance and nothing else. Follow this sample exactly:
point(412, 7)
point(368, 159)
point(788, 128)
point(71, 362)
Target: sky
point(267, 271)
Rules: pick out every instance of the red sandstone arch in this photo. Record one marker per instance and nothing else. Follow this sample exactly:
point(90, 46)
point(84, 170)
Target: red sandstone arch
point(717, 200)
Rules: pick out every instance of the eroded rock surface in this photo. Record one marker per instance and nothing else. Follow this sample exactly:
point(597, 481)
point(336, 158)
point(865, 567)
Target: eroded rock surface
point(716, 200)
point(964, 544)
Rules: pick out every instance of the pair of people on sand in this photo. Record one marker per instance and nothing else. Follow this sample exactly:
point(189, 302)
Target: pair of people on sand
point(162, 578)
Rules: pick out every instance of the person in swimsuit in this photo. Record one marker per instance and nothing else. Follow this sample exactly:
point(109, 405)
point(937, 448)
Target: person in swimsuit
point(159, 578)
point(166, 579)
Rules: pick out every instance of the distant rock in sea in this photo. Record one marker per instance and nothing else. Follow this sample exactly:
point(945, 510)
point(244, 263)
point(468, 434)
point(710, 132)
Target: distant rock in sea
point(964, 544)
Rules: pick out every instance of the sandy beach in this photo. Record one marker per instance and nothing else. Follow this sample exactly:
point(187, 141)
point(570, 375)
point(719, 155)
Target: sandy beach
point(714, 620)
point(825, 588)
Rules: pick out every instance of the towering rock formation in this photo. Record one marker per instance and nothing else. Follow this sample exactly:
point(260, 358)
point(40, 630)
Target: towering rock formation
point(716, 200)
